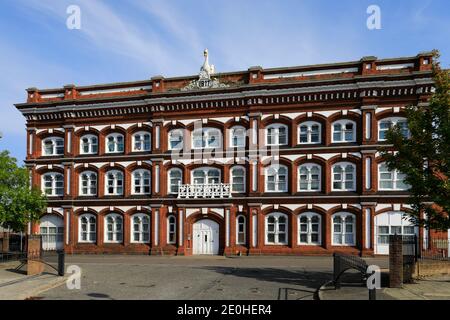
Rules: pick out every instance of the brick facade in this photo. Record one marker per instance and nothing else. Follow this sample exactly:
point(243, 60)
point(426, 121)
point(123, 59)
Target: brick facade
point(253, 99)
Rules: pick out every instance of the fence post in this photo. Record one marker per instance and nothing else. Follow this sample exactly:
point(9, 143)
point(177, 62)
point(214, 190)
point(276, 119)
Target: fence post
point(395, 261)
point(336, 271)
point(61, 259)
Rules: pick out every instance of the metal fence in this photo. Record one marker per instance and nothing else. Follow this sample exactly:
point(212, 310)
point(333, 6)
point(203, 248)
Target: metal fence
point(343, 262)
point(436, 249)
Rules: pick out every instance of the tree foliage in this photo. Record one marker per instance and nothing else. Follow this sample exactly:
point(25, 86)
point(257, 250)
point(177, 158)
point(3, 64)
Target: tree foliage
point(19, 204)
point(424, 156)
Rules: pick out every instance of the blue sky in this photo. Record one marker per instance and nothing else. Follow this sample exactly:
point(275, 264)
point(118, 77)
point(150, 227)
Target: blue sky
point(135, 40)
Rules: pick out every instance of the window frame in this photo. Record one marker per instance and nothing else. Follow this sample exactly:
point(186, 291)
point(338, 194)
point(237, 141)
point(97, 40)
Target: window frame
point(343, 123)
point(309, 167)
point(395, 180)
point(232, 134)
point(141, 231)
point(309, 232)
point(343, 233)
point(115, 232)
point(169, 179)
point(90, 144)
point(115, 184)
point(115, 135)
point(277, 127)
point(174, 232)
point(206, 133)
point(54, 141)
point(276, 231)
point(309, 125)
point(169, 139)
point(206, 177)
point(80, 183)
point(141, 172)
point(89, 231)
point(53, 182)
point(343, 178)
point(142, 142)
point(244, 232)
point(276, 180)
point(393, 121)
point(232, 177)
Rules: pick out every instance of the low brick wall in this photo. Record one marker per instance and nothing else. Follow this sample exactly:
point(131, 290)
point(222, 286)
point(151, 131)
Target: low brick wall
point(426, 268)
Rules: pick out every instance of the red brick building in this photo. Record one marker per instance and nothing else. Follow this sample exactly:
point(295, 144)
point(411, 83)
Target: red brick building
point(262, 161)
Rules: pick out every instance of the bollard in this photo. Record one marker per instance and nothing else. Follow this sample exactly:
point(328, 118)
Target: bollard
point(61, 258)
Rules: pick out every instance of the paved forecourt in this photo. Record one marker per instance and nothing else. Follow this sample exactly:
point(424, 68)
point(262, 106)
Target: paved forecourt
point(199, 277)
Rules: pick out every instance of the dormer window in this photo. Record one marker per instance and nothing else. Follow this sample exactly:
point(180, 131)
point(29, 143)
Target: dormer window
point(53, 146)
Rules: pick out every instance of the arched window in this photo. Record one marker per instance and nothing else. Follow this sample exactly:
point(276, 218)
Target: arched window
point(114, 143)
point(53, 184)
point(309, 177)
point(114, 183)
point(343, 228)
point(237, 179)
point(309, 132)
point(174, 177)
point(206, 138)
point(240, 230)
point(390, 180)
point(309, 226)
point(88, 183)
point(141, 141)
point(171, 229)
point(277, 135)
point(276, 228)
point(276, 178)
point(88, 144)
point(385, 124)
point(140, 228)
point(87, 228)
point(237, 137)
point(176, 139)
point(113, 228)
point(206, 175)
point(344, 176)
point(344, 131)
point(141, 182)
point(53, 146)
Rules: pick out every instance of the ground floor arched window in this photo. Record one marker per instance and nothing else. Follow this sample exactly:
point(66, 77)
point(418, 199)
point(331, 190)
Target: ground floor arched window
point(276, 228)
point(140, 224)
point(344, 228)
point(309, 227)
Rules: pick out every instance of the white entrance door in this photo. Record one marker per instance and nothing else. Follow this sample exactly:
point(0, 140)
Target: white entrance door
point(391, 223)
point(52, 232)
point(206, 237)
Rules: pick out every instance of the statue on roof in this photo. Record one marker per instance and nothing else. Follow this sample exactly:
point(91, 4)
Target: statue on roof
point(205, 80)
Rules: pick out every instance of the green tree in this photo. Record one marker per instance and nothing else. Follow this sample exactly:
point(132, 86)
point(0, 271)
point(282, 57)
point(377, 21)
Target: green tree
point(424, 156)
point(19, 204)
